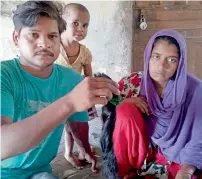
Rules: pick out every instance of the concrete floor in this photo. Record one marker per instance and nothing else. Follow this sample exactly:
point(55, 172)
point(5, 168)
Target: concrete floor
point(64, 170)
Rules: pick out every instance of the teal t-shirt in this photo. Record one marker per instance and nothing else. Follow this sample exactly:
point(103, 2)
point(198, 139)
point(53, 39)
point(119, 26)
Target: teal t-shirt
point(23, 95)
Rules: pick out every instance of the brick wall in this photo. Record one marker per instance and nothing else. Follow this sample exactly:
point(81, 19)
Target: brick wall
point(183, 16)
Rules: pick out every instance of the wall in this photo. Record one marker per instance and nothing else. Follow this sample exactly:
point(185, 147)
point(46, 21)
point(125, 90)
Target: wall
point(116, 46)
point(109, 38)
point(183, 16)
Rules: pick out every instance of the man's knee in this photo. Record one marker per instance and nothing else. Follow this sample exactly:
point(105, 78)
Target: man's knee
point(43, 175)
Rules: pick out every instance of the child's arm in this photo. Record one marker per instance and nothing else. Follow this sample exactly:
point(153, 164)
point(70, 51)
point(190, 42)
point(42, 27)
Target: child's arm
point(87, 67)
point(88, 70)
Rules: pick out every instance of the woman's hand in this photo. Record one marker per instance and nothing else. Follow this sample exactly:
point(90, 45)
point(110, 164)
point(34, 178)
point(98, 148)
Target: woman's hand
point(185, 172)
point(181, 174)
point(140, 103)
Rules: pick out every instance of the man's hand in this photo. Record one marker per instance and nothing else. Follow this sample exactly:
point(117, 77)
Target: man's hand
point(140, 103)
point(92, 91)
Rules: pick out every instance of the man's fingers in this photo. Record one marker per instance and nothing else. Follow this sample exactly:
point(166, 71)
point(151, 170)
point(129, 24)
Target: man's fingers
point(99, 100)
point(103, 92)
point(101, 79)
point(101, 83)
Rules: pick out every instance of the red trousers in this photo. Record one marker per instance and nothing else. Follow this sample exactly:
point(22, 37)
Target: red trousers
point(131, 144)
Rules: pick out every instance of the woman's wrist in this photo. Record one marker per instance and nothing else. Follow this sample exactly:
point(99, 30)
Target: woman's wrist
point(188, 169)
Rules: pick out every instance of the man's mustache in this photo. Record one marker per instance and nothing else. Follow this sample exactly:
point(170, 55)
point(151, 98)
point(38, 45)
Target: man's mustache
point(45, 52)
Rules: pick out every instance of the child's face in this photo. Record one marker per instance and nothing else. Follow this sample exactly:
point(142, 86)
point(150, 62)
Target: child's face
point(163, 62)
point(77, 24)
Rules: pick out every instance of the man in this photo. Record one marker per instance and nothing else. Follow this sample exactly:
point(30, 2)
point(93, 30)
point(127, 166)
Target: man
point(36, 99)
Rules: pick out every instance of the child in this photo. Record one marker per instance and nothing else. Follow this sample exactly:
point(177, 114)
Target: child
point(78, 57)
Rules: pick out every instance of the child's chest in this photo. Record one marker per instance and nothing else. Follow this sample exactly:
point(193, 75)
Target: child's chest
point(72, 60)
point(72, 55)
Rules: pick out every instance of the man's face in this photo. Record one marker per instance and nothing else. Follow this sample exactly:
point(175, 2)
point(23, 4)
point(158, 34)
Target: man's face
point(39, 46)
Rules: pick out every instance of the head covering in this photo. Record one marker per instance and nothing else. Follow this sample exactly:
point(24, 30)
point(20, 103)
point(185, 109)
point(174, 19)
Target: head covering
point(175, 121)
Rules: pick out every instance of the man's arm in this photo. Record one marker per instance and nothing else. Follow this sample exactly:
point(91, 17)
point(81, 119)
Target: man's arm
point(22, 136)
point(19, 137)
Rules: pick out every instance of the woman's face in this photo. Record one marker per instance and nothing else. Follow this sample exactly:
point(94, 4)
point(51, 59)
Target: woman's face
point(163, 61)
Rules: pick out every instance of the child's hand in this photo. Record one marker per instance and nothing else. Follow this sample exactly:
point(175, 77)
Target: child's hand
point(140, 103)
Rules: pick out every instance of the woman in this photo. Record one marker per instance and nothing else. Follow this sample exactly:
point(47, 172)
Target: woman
point(170, 101)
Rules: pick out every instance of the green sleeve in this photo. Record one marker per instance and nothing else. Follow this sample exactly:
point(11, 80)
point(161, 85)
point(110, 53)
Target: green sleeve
point(79, 116)
point(7, 102)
